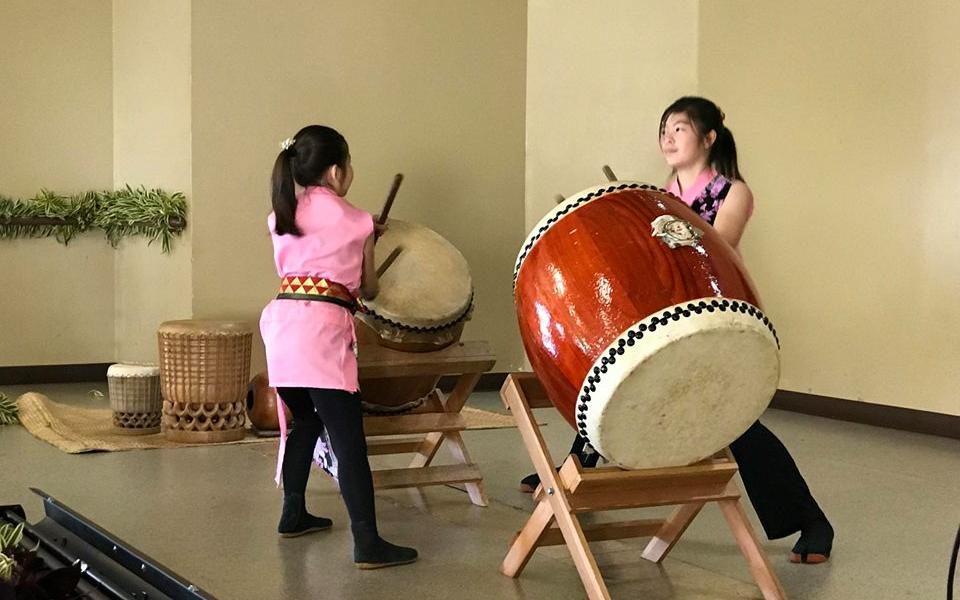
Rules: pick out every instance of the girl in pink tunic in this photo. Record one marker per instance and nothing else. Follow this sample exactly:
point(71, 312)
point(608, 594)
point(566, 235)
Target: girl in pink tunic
point(323, 249)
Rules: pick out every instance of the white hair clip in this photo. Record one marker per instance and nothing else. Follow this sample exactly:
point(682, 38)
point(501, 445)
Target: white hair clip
point(285, 144)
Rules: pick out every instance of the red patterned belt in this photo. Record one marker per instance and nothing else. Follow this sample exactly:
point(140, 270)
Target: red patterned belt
point(305, 287)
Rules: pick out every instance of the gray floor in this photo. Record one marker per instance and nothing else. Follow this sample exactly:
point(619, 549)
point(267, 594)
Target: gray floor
point(210, 515)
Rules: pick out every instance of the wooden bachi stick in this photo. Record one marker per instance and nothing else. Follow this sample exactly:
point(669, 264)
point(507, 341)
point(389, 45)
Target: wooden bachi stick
point(389, 261)
point(609, 173)
point(397, 180)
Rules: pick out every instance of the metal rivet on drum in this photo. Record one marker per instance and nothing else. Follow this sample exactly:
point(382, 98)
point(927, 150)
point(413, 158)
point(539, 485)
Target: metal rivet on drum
point(603, 369)
point(676, 317)
point(114, 548)
point(640, 336)
point(620, 351)
point(735, 305)
point(621, 343)
point(586, 389)
point(690, 306)
point(630, 342)
point(686, 313)
point(590, 379)
point(612, 352)
point(549, 491)
point(653, 328)
point(642, 327)
point(593, 388)
point(143, 567)
point(630, 334)
point(666, 314)
point(613, 360)
point(603, 360)
point(596, 370)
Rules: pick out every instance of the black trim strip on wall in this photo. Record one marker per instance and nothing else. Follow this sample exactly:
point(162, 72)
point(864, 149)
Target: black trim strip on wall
point(891, 417)
point(53, 374)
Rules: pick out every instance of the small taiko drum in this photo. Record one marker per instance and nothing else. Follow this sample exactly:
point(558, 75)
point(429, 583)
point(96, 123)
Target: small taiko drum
point(135, 398)
point(204, 372)
point(643, 326)
point(426, 297)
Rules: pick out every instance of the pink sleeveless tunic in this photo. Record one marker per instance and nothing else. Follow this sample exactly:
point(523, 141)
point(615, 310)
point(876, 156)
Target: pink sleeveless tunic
point(308, 343)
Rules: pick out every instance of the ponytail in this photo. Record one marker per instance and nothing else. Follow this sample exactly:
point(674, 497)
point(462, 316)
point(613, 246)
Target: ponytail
point(283, 195)
point(723, 154)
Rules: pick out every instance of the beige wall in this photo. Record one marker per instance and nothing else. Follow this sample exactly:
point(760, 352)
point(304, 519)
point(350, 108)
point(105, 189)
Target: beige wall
point(598, 77)
point(433, 89)
point(848, 119)
point(151, 117)
point(57, 302)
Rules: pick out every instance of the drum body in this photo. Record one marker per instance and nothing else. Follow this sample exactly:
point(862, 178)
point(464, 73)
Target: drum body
point(135, 398)
point(426, 297)
point(204, 372)
point(262, 404)
point(643, 326)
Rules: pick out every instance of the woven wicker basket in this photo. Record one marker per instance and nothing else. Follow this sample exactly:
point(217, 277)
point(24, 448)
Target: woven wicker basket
point(135, 398)
point(204, 370)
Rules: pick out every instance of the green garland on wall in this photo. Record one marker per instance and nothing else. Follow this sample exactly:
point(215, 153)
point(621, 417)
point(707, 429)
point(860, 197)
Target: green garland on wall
point(154, 214)
point(8, 410)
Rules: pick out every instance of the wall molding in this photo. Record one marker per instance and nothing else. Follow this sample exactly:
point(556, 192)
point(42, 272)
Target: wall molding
point(879, 415)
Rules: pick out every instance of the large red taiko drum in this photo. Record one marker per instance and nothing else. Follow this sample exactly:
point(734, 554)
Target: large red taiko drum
point(643, 326)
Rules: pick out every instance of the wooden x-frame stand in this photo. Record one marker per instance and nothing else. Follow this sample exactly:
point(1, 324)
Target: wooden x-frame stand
point(428, 426)
point(574, 490)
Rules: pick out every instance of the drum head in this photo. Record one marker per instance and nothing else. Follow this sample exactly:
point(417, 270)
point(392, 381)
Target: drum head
point(428, 285)
point(678, 390)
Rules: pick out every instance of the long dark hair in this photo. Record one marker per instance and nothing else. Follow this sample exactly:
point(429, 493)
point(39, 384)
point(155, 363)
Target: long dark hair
point(706, 117)
point(309, 154)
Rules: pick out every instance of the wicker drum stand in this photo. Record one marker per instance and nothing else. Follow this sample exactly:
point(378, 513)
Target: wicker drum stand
point(135, 398)
point(204, 370)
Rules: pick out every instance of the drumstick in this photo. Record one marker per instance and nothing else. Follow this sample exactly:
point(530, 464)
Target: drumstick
point(388, 261)
point(609, 173)
point(559, 198)
point(397, 180)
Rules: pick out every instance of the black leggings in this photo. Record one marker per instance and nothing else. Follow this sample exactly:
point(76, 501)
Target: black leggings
point(774, 484)
point(340, 412)
point(776, 488)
